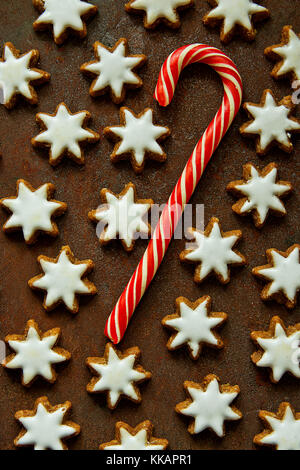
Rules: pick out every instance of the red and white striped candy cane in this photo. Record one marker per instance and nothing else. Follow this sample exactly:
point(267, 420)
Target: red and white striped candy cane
point(119, 318)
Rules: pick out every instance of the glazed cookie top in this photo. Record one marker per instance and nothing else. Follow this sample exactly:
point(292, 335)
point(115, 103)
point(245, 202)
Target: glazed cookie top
point(64, 277)
point(156, 10)
point(35, 353)
point(260, 192)
point(193, 324)
point(138, 438)
point(281, 350)
point(138, 136)
point(233, 13)
point(213, 251)
point(114, 69)
point(283, 272)
point(272, 122)
point(118, 375)
point(287, 53)
point(122, 216)
point(209, 405)
point(32, 210)
point(63, 131)
point(63, 15)
point(16, 74)
point(283, 428)
point(45, 428)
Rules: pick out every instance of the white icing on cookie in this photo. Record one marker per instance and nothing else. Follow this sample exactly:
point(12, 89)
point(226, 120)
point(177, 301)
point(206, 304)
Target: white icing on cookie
point(262, 193)
point(281, 353)
point(284, 274)
point(210, 408)
point(117, 377)
point(156, 9)
point(35, 356)
point(290, 54)
point(194, 327)
point(271, 122)
point(16, 75)
point(236, 12)
point(214, 252)
point(64, 14)
point(45, 430)
point(285, 433)
point(31, 210)
point(114, 69)
point(139, 441)
point(123, 217)
point(64, 132)
point(139, 135)
point(62, 280)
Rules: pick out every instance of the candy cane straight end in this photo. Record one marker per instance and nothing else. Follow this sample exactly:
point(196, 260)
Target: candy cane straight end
point(119, 318)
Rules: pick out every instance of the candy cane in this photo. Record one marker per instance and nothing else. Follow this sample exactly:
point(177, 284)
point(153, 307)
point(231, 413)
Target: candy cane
point(119, 318)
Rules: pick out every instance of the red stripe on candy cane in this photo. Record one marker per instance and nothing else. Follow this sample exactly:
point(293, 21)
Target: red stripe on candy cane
point(119, 318)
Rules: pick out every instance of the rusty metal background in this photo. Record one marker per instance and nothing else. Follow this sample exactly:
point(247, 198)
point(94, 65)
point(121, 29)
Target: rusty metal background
point(197, 98)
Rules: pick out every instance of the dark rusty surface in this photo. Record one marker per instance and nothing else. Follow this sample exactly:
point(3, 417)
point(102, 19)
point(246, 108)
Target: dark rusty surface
point(196, 99)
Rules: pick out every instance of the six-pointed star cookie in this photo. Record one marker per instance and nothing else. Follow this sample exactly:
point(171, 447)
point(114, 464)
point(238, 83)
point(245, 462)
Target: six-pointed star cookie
point(209, 405)
point(271, 123)
point(35, 353)
point(17, 72)
point(116, 375)
point(283, 428)
point(156, 11)
point(115, 70)
point(193, 324)
point(281, 349)
point(63, 278)
point(63, 16)
point(62, 133)
point(138, 438)
point(137, 136)
point(213, 252)
point(32, 210)
point(45, 426)
point(121, 215)
point(236, 17)
point(260, 193)
point(286, 54)
point(283, 275)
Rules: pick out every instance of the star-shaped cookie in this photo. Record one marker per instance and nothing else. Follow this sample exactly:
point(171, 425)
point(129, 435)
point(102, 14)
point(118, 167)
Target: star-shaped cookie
point(259, 193)
point(137, 138)
point(280, 349)
point(138, 438)
point(64, 278)
point(193, 323)
point(282, 428)
point(114, 70)
point(62, 133)
point(17, 72)
point(209, 405)
point(35, 353)
point(271, 123)
point(213, 252)
point(282, 274)
point(235, 17)
point(32, 210)
point(45, 426)
point(117, 375)
point(121, 215)
point(157, 11)
point(63, 16)
point(286, 54)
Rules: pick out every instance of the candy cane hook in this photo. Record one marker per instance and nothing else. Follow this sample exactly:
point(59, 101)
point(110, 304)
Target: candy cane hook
point(119, 318)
